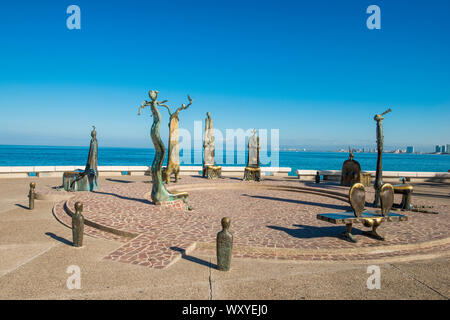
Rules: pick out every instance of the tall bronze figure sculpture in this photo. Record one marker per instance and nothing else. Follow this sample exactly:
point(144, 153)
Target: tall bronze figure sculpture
point(173, 158)
point(85, 180)
point(210, 170)
point(351, 170)
point(379, 174)
point(159, 193)
point(252, 170)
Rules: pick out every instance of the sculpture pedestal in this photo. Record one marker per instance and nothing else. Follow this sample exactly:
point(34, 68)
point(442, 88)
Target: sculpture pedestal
point(212, 172)
point(252, 174)
point(85, 183)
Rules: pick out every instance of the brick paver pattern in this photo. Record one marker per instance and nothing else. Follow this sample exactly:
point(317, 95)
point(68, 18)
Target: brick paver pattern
point(266, 222)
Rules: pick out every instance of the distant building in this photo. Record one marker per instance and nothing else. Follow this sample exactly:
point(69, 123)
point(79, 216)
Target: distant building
point(448, 148)
point(437, 149)
point(443, 149)
point(410, 149)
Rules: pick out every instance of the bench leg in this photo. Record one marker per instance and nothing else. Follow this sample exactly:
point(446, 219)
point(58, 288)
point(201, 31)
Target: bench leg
point(373, 233)
point(347, 235)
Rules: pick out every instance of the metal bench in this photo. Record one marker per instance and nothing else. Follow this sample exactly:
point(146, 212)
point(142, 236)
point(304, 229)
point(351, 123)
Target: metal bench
point(371, 219)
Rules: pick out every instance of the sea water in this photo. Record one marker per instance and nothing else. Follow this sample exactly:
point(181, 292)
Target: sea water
point(65, 156)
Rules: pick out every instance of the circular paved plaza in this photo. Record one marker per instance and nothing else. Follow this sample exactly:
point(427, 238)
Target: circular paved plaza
point(273, 219)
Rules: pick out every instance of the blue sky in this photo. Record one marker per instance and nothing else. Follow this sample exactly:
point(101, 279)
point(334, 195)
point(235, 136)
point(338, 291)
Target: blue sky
point(309, 68)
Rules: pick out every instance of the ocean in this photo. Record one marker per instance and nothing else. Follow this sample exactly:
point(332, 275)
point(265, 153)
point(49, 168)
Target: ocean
point(107, 156)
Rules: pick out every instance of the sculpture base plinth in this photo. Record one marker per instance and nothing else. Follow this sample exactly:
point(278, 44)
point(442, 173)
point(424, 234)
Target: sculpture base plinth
point(178, 204)
point(212, 172)
point(252, 174)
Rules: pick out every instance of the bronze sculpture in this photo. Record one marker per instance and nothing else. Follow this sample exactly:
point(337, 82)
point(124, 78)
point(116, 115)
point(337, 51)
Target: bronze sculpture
point(317, 177)
point(31, 196)
point(173, 158)
point(159, 193)
point(85, 180)
point(367, 218)
point(351, 171)
point(224, 245)
point(78, 225)
point(379, 173)
point(210, 170)
point(252, 170)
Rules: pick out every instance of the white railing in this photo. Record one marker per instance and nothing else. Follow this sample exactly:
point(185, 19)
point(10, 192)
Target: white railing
point(57, 171)
point(395, 175)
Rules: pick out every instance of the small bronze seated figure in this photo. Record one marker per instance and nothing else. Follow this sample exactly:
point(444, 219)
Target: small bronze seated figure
point(367, 218)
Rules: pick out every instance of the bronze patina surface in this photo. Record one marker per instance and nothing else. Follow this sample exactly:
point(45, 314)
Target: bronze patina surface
point(317, 177)
point(367, 218)
point(31, 195)
point(87, 179)
point(252, 170)
point(406, 191)
point(173, 158)
point(379, 173)
point(386, 198)
point(224, 246)
point(351, 171)
point(210, 170)
point(159, 192)
point(357, 199)
point(78, 225)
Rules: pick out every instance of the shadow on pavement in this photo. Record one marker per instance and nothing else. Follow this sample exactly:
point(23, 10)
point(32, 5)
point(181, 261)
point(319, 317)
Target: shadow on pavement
point(60, 239)
point(308, 232)
point(308, 203)
point(124, 198)
point(193, 259)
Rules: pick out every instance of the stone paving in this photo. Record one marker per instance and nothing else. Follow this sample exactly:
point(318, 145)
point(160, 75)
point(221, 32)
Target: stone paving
point(273, 219)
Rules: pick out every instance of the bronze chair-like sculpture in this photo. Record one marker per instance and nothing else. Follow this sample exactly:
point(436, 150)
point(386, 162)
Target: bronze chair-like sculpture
point(173, 157)
point(367, 218)
point(160, 194)
point(210, 170)
point(84, 180)
point(252, 170)
point(406, 191)
point(351, 171)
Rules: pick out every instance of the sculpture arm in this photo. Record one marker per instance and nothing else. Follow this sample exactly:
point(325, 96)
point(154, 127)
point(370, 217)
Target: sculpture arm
point(184, 106)
point(143, 105)
point(162, 104)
